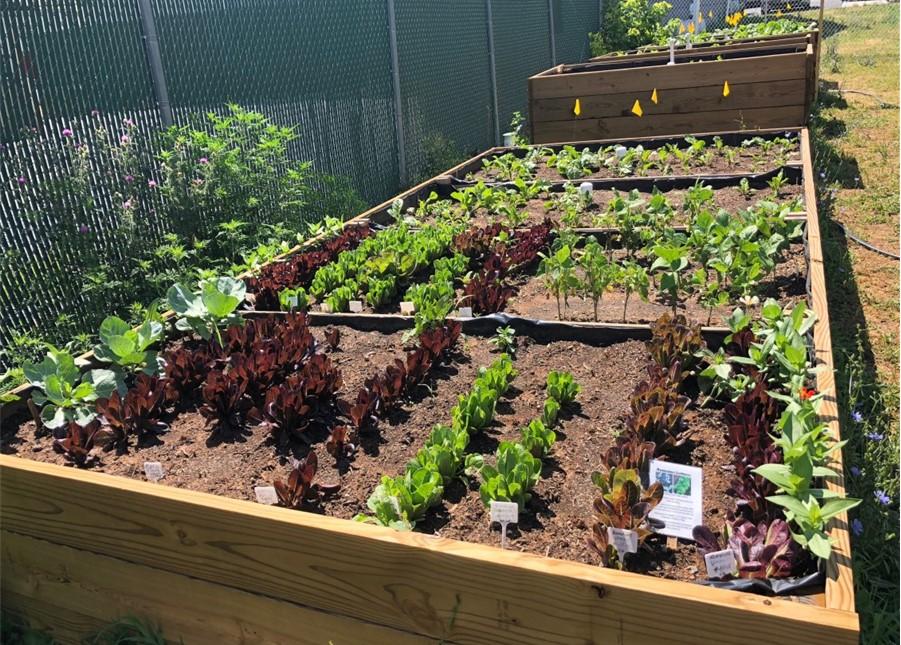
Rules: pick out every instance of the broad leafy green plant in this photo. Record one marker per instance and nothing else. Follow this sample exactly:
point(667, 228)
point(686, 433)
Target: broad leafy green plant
point(128, 348)
point(212, 306)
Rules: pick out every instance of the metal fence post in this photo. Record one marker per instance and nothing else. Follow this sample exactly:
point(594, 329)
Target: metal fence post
point(398, 105)
point(491, 58)
point(155, 62)
point(550, 13)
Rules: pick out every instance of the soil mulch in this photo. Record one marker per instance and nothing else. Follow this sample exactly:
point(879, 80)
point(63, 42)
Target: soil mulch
point(557, 519)
point(532, 299)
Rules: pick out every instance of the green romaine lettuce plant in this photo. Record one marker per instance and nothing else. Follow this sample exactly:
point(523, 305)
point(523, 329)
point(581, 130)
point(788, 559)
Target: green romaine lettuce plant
point(516, 472)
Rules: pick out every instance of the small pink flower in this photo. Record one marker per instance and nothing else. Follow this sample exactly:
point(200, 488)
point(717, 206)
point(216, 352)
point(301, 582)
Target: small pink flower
point(128, 122)
point(127, 204)
point(84, 228)
point(203, 161)
point(129, 179)
point(95, 112)
point(22, 181)
point(197, 182)
point(124, 139)
point(67, 132)
point(151, 183)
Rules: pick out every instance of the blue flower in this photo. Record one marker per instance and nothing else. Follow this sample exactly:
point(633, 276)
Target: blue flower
point(875, 436)
point(857, 527)
point(855, 471)
point(857, 416)
point(882, 498)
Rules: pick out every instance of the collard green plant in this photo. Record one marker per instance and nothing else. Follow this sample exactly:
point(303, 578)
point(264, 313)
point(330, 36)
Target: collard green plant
point(212, 306)
point(63, 392)
point(127, 348)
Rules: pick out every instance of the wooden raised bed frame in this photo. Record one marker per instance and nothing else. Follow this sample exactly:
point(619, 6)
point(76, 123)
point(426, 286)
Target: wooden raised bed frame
point(770, 86)
point(82, 548)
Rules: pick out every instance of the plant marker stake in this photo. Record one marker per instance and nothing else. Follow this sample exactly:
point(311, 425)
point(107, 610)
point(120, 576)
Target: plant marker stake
point(407, 308)
point(620, 151)
point(585, 188)
point(726, 90)
point(720, 563)
point(636, 109)
point(504, 513)
point(577, 108)
point(672, 51)
point(355, 306)
point(654, 96)
point(509, 139)
point(153, 470)
point(266, 495)
point(464, 312)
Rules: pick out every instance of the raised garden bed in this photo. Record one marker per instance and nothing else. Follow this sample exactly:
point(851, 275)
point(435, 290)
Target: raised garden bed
point(768, 87)
point(221, 567)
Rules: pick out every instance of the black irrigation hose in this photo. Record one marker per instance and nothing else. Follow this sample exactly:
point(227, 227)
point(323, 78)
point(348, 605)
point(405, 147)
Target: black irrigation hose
point(864, 243)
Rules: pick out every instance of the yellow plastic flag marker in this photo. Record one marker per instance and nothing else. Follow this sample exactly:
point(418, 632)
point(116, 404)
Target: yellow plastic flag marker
point(726, 88)
point(700, 18)
point(710, 14)
point(577, 108)
point(636, 109)
point(779, 14)
point(691, 27)
point(788, 6)
point(654, 96)
point(681, 27)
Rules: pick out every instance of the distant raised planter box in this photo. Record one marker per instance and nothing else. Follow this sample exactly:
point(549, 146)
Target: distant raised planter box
point(769, 86)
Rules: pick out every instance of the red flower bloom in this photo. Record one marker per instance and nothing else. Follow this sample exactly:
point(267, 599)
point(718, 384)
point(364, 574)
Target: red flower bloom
point(807, 393)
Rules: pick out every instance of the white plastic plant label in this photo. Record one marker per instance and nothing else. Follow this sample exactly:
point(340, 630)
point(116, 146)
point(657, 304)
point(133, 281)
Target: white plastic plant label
point(623, 540)
point(620, 151)
point(407, 308)
point(265, 494)
point(682, 506)
point(585, 188)
point(720, 563)
point(355, 306)
point(504, 513)
point(153, 470)
point(325, 308)
point(292, 301)
point(465, 312)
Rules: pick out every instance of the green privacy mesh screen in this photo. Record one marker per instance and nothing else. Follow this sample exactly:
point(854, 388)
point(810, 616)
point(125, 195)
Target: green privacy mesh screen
point(321, 66)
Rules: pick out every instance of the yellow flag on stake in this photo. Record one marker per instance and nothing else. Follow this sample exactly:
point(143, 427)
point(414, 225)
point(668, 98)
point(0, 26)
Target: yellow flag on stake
point(654, 96)
point(725, 88)
point(700, 18)
point(710, 14)
point(636, 109)
point(577, 108)
point(691, 27)
point(681, 27)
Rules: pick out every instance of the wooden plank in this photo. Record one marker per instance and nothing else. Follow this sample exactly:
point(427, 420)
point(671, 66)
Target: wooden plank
point(419, 583)
point(701, 98)
point(661, 124)
point(75, 592)
point(839, 574)
point(779, 67)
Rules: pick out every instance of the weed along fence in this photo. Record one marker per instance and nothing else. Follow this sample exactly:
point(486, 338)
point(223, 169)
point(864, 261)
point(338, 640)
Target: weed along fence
point(742, 86)
point(489, 400)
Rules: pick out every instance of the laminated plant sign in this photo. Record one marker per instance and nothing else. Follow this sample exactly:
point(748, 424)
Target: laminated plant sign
point(682, 507)
point(153, 470)
point(504, 513)
point(266, 494)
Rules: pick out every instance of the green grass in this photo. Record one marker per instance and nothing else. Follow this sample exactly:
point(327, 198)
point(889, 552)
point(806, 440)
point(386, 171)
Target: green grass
point(855, 137)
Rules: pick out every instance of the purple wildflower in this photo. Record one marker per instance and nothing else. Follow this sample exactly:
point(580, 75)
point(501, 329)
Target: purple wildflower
point(128, 122)
point(203, 161)
point(95, 112)
point(882, 498)
point(67, 132)
point(22, 181)
point(84, 228)
point(151, 183)
point(124, 139)
point(127, 204)
point(129, 179)
point(855, 471)
point(875, 436)
point(857, 527)
point(857, 416)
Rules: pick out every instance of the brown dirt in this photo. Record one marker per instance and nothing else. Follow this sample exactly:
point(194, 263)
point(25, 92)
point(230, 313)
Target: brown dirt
point(532, 300)
point(750, 160)
point(556, 521)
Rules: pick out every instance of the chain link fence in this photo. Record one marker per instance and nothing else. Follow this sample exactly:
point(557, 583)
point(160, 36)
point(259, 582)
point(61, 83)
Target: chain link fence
point(384, 92)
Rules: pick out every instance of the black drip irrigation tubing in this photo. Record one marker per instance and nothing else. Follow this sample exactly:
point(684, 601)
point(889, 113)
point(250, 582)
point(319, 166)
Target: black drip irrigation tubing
point(864, 243)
